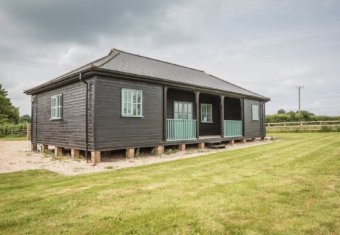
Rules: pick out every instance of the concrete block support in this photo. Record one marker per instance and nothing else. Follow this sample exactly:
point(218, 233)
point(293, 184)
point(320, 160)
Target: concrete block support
point(201, 145)
point(74, 153)
point(231, 142)
point(34, 147)
point(181, 147)
point(159, 150)
point(130, 153)
point(244, 141)
point(44, 148)
point(58, 151)
point(95, 156)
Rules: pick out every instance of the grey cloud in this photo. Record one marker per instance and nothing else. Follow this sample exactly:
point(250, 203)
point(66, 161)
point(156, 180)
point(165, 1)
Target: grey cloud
point(80, 21)
point(262, 45)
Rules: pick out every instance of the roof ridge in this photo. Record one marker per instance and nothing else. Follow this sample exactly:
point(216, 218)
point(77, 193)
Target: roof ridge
point(235, 85)
point(109, 57)
point(150, 58)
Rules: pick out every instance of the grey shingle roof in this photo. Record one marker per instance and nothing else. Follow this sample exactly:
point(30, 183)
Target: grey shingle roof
point(135, 64)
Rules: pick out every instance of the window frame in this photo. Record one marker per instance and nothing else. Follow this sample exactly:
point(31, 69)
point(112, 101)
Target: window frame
point(56, 107)
point(131, 103)
point(206, 113)
point(190, 115)
point(255, 115)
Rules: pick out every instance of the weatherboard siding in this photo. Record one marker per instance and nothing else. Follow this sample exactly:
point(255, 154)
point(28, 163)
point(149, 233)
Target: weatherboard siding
point(114, 131)
point(213, 128)
point(252, 128)
point(108, 130)
point(182, 96)
point(69, 132)
point(34, 106)
point(232, 108)
point(263, 119)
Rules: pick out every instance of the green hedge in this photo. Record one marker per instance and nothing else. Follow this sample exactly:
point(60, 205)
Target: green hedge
point(291, 116)
point(16, 130)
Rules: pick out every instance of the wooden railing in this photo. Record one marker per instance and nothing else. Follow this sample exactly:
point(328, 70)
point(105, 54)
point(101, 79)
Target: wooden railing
point(232, 128)
point(304, 126)
point(180, 129)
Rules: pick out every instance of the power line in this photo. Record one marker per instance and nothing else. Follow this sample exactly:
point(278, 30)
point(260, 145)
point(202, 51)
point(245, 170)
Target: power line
point(30, 63)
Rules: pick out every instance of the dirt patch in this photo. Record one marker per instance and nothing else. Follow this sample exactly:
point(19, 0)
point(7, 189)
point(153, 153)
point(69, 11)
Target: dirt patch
point(16, 156)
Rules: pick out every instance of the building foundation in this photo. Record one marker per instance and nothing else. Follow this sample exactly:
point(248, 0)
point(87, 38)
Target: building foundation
point(34, 147)
point(44, 148)
point(74, 153)
point(181, 147)
point(130, 153)
point(201, 145)
point(159, 150)
point(58, 151)
point(95, 156)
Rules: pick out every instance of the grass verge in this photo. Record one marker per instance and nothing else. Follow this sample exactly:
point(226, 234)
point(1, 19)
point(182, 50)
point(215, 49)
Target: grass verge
point(288, 187)
point(13, 138)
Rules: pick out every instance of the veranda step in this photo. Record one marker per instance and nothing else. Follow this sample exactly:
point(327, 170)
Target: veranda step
point(216, 146)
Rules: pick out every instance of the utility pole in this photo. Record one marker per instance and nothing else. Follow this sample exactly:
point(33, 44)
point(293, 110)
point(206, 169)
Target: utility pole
point(299, 90)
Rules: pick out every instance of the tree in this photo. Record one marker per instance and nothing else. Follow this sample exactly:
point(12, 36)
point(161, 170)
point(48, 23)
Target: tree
point(281, 111)
point(8, 113)
point(292, 116)
point(307, 116)
point(25, 118)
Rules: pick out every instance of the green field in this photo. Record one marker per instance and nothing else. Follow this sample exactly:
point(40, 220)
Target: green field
point(291, 186)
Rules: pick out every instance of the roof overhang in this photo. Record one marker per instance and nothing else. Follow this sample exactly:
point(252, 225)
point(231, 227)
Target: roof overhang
point(92, 71)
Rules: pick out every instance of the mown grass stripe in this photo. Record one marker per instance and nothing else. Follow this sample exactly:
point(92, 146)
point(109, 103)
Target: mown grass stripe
point(288, 187)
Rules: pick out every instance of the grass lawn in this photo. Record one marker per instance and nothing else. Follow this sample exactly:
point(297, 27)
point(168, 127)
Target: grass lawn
point(12, 138)
point(288, 187)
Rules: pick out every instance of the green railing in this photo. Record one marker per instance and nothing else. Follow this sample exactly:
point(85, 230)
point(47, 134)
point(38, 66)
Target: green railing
point(180, 129)
point(232, 128)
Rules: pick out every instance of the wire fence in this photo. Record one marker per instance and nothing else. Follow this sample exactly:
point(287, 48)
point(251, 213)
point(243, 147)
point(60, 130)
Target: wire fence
point(304, 126)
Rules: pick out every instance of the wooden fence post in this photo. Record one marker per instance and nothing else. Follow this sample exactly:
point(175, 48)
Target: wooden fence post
point(28, 131)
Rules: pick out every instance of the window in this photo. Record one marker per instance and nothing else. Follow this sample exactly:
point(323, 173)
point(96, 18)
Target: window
point(182, 110)
point(255, 112)
point(206, 113)
point(132, 103)
point(56, 107)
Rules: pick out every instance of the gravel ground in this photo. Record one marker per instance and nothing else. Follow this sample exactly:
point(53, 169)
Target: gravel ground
point(16, 156)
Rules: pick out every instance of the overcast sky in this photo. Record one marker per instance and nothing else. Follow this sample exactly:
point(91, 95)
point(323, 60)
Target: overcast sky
point(267, 46)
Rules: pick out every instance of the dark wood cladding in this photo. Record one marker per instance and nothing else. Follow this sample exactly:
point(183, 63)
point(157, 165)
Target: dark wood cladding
point(108, 130)
point(179, 95)
point(232, 109)
point(263, 119)
point(214, 127)
point(69, 132)
point(252, 128)
point(34, 125)
point(114, 131)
